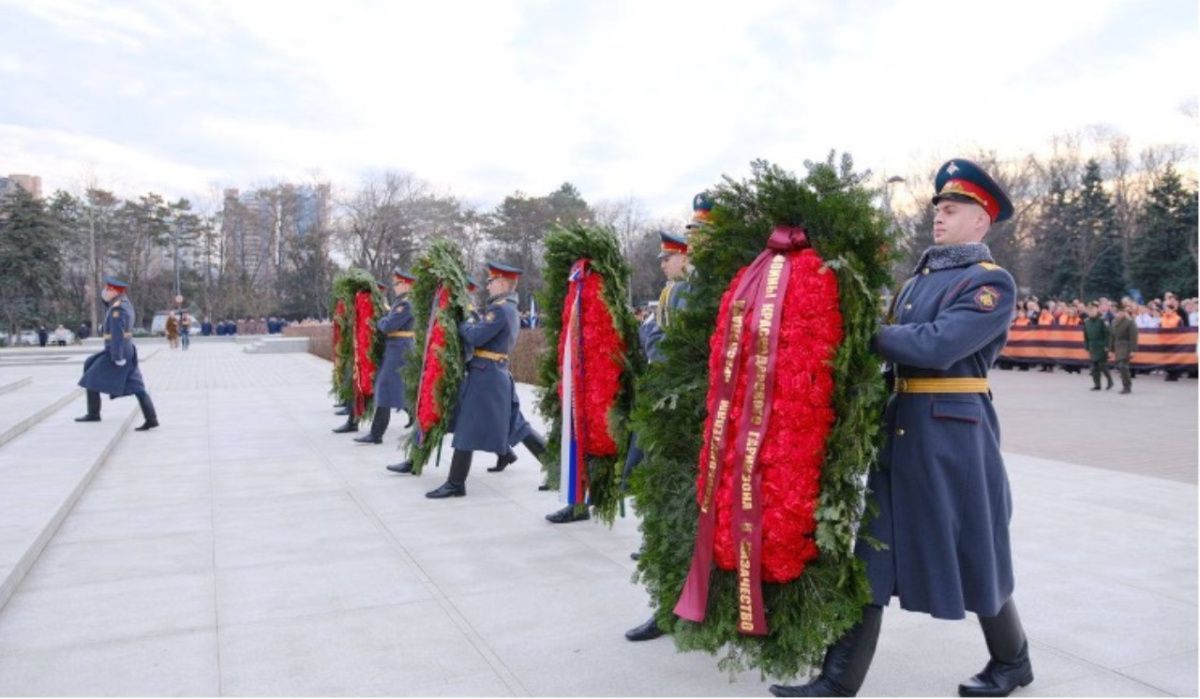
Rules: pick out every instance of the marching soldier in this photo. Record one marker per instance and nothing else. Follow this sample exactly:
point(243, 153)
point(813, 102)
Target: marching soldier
point(406, 466)
point(114, 370)
point(941, 489)
point(389, 383)
point(673, 257)
point(483, 415)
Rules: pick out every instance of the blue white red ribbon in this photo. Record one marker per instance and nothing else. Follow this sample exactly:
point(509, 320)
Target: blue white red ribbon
point(572, 461)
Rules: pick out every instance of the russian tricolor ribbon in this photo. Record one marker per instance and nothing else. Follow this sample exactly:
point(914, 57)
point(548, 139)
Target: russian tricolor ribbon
point(573, 461)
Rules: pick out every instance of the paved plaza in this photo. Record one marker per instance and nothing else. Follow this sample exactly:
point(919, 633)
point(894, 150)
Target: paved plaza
point(244, 549)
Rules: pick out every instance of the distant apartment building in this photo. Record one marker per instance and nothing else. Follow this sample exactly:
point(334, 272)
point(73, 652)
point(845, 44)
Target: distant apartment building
point(29, 183)
point(258, 226)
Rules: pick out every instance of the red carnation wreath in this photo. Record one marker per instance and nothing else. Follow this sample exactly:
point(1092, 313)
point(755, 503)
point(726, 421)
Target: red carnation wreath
point(428, 410)
point(364, 337)
point(778, 329)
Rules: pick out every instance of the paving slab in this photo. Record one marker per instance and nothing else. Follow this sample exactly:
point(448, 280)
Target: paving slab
point(243, 549)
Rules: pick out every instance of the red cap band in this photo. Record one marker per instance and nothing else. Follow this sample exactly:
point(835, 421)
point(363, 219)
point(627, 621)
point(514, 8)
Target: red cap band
point(974, 192)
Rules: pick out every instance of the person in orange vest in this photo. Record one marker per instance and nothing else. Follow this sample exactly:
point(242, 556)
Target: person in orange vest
point(1070, 318)
point(1171, 317)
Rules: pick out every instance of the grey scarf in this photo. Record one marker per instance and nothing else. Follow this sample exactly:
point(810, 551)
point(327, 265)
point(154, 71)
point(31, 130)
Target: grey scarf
point(938, 257)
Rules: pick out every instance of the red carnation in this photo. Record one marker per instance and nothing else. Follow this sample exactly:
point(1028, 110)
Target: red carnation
point(428, 410)
point(802, 416)
point(603, 358)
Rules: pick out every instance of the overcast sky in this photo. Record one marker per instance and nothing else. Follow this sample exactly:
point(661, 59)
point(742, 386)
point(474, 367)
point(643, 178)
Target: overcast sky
point(648, 99)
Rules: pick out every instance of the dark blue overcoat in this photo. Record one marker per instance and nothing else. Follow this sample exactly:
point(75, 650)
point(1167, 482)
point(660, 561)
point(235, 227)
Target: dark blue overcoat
point(654, 328)
point(101, 373)
point(389, 382)
point(943, 494)
point(484, 415)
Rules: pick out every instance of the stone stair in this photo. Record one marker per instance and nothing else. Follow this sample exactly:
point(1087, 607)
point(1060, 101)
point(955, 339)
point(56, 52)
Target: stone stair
point(277, 345)
point(47, 462)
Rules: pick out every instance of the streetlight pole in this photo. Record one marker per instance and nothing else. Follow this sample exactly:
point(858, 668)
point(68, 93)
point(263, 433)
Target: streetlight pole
point(175, 245)
point(94, 277)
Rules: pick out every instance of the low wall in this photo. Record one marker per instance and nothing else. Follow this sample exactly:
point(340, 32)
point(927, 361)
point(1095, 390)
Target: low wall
point(320, 338)
point(525, 359)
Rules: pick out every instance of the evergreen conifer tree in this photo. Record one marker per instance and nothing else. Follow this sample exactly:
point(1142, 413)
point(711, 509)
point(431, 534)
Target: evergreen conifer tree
point(1163, 256)
point(1055, 238)
point(1098, 241)
point(30, 261)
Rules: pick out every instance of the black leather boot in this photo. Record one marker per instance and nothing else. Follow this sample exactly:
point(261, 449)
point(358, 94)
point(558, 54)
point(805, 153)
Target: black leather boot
point(645, 632)
point(379, 425)
point(405, 466)
point(149, 415)
point(502, 461)
point(570, 513)
point(343, 410)
point(846, 662)
point(1009, 668)
point(456, 483)
point(351, 425)
point(535, 443)
point(93, 408)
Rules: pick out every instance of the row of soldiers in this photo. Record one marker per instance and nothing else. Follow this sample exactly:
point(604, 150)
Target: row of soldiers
point(941, 493)
point(488, 413)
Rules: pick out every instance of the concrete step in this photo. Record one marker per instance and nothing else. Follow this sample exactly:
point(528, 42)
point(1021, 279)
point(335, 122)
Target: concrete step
point(43, 472)
point(11, 386)
point(21, 409)
point(277, 345)
point(55, 386)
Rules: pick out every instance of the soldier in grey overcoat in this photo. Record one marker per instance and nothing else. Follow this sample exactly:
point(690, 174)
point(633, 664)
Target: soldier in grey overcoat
point(483, 413)
point(397, 326)
point(941, 489)
point(114, 370)
point(676, 265)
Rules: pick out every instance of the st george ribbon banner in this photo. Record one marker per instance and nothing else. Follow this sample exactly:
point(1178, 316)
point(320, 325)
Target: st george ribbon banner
point(1157, 348)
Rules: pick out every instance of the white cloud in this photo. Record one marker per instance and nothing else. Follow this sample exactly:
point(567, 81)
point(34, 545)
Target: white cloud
point(653, 100)
point(67, 160)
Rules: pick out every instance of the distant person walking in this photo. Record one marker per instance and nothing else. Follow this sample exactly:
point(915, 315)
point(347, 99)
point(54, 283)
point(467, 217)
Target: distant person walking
point(172, 331)
point(1124, 341)
point(1096, 340)
point(185, 329)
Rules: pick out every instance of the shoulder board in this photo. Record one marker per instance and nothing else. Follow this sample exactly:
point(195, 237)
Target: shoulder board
point(990, 266)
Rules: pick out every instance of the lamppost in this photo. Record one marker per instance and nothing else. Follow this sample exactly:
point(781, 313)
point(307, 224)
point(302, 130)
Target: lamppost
point(175, 245)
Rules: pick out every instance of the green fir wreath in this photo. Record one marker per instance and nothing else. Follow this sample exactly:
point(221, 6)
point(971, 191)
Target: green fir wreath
point(807, 614)
point(564, 246)
point(440, 266)
point(346, 285)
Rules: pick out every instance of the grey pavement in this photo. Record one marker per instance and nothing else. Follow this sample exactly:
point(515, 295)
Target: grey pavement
point(243, 549)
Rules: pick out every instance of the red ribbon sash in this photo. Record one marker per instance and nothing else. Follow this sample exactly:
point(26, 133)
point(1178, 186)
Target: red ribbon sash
point(758, 297)
point(364, 367)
